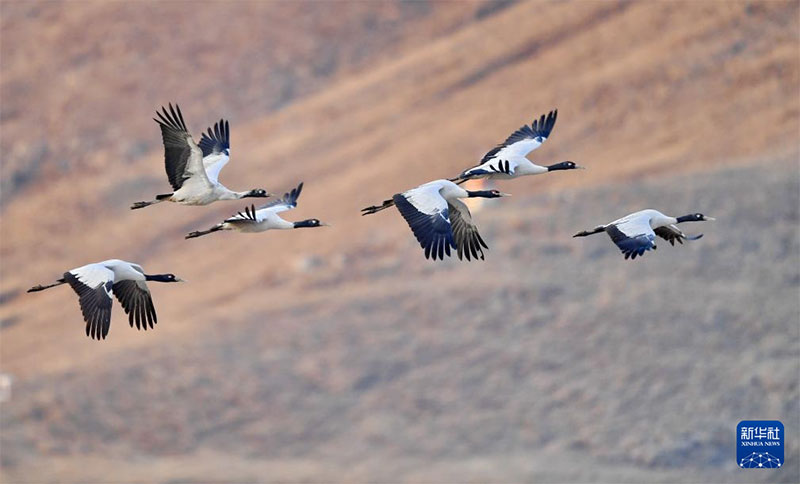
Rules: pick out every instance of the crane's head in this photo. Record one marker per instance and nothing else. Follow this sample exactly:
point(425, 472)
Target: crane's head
point(163, 278)
point(257, 193)
point(565, 165)
point(695, 217)
point(312, 222)
point(487, 194)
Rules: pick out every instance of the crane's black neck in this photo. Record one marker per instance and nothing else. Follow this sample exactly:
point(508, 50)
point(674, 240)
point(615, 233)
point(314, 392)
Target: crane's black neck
point(692, 217)
point(482, 194)
point(256, 193)
point(564, 165)
point(160, 277)
point(312, 222)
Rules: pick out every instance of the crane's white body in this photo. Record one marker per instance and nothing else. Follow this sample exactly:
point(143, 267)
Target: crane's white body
point(432, 197)
point(203, 186)
point(513, 155)
point(265, 219)
point(194, 195)
point(643, 222)
point(112, 270)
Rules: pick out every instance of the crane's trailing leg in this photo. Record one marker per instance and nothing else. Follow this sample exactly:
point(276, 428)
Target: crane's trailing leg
point(377, 208)
point(42, 288)
point(198, 233)
point(596, 230)
point(159, 198)
point(459, 180)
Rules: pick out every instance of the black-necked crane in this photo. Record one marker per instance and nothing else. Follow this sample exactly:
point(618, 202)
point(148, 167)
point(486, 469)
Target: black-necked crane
point(508, 159)
point(264, 218)
point(96, 284)
point(438, 218)
point(192, 169)
point(636, 233)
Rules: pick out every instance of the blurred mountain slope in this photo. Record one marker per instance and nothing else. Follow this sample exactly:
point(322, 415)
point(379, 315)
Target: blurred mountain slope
point(553, 360)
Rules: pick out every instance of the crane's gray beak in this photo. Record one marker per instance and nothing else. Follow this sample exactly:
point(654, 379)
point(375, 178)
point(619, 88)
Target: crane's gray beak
point(323, 224)
point(505, 194)
point(579, 167)
point(710, 219)
point(178, 279)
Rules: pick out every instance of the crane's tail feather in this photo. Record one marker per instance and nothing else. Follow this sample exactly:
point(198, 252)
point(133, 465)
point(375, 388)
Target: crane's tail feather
point(40, 287)
point(198, 233)
point(377, 208)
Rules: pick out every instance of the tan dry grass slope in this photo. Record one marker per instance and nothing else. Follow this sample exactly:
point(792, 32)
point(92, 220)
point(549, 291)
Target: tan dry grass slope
point(362, 100)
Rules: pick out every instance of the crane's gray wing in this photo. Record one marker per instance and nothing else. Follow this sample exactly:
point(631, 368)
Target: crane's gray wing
point(672, 234)
point(183, 159)
point(134, 296)
point(468, 240)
